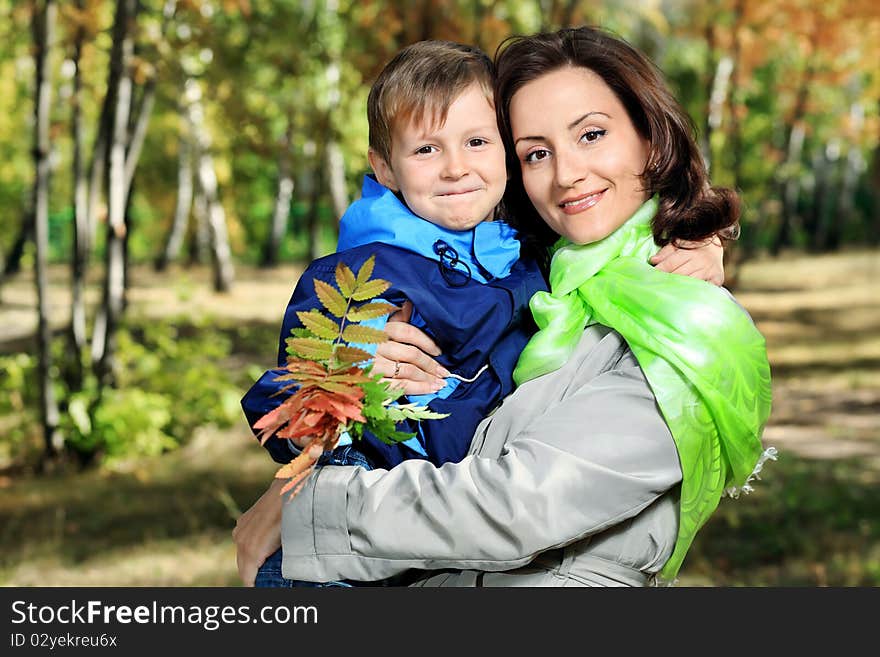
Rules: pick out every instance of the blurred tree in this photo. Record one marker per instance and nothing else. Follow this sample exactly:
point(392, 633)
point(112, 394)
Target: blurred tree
point(44, 15)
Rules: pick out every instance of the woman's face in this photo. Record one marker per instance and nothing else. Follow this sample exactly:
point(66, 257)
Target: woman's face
point(581, 157)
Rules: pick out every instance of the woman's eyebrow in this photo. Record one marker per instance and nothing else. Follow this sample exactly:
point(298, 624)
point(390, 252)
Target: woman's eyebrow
point(571, 126)
point(577, 122)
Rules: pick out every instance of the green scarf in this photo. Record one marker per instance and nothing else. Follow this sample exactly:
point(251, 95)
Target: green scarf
point(704, 359)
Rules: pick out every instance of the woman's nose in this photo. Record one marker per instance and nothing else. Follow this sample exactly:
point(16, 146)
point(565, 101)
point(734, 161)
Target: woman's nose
point(569, 169)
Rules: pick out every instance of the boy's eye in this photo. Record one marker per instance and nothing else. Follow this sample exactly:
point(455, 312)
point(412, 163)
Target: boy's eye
point(425, 150)
point(537, 156)
point(476, 142)
point(591, 136)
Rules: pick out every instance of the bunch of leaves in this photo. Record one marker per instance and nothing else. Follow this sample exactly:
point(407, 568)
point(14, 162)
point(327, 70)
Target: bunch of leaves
point(333, 388)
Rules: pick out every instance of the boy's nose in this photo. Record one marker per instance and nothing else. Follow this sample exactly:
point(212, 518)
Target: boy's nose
point(454, 167)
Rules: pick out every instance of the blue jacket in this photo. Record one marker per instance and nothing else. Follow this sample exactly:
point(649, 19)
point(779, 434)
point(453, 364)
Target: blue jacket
point(470, 293)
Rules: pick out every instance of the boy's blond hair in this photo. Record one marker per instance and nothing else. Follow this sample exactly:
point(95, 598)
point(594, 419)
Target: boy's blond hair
point(423, 79)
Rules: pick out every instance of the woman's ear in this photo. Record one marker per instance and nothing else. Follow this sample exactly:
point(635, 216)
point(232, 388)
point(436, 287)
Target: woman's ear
point(383, 171)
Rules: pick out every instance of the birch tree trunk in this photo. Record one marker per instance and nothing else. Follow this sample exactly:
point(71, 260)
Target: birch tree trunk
point(80, 219)
point(44, 36)
point(283, 197)
point(221, 254)
point(171, 250)
point(104, 338)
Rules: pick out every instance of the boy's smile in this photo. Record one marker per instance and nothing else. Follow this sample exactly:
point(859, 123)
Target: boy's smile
point(453, 174)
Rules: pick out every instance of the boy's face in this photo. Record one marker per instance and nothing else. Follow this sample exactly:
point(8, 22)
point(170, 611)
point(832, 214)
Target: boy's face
point(451, 175)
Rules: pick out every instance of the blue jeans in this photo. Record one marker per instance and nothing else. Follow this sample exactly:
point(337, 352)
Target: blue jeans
point(269, 574)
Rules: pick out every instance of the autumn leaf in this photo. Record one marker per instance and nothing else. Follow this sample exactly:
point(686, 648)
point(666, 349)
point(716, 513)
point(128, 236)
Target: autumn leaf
point(370, 311)
point(366, 270)
point(352, 355)
point(345, 279)
point(363, 334)
point(311, 348)
point(353, 392)
point(330, 298)
point(370, 289)
point(321, 326)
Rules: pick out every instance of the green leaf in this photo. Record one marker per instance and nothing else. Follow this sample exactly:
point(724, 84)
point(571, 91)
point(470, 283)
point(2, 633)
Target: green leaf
point(330, 298)
point(345, 279)
point(370, 289)
point(301, 332)
point(352, 355)
point(370, 311)
point(321, 326)
point(311, 348)
point(393, 437)
point(363, 334)
point(413, 412)
point(366, 270)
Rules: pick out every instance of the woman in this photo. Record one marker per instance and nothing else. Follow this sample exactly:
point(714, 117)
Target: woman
point(640, 399)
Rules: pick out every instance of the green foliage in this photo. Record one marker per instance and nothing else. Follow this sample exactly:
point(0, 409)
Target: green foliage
point(170, 381)
point(19, 401)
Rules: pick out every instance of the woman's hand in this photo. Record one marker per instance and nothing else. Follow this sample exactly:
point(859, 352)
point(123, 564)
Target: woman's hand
point(257, 533)
point(703, 260)
point(405, 359)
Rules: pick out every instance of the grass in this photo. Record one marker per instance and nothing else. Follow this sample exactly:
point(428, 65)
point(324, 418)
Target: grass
point(814, 520)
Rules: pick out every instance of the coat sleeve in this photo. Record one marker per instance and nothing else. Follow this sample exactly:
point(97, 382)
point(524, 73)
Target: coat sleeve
point(598, 457)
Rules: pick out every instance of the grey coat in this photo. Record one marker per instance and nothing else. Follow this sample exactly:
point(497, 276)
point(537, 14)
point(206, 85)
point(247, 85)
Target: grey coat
point(573, 481)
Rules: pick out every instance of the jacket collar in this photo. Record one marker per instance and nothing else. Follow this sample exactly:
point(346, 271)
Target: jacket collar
point(487, 251)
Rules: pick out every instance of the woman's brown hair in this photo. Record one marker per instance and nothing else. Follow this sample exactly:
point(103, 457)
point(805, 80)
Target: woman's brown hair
point(690, 208)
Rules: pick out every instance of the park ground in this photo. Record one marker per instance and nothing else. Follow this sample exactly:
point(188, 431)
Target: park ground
point(813, 520)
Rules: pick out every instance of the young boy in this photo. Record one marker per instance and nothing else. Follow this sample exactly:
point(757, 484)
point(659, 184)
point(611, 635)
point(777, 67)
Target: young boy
point(440, 174)
point(429, 218)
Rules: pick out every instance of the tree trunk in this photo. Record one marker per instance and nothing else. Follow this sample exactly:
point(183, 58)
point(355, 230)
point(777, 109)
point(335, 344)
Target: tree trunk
point(184, 195)
point(853, 166)
point(104, 339)
point(221, 254)
point(789, 175)
point(283, 198)
point(874, 187)
point(825, 166)
point(706, 137)
point(789, 221)
point(199, 243)
point(80, 219)
point(335, 164)
point(13, 261)
point(44, 35)
point(313, 221)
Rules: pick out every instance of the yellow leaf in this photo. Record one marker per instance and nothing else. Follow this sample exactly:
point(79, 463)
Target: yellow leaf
point(311, 348)
point(322, 326)
point(370, 311)
point(371, 289)
point(352, 355)
point(363, 334)
point(366, 270)
point(330, 298)
point(345, 279)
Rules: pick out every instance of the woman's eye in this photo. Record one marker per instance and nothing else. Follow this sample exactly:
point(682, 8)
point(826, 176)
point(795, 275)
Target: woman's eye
point(591, 136)
point(537, 156)
point(425, 150)
point(476, 142)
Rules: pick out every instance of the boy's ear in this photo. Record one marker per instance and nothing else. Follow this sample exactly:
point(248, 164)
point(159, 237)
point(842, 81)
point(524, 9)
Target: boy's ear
point(382, 169)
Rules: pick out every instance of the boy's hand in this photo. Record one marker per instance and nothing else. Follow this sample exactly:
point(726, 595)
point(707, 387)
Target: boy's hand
point(703, 260)
point(405, 360)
